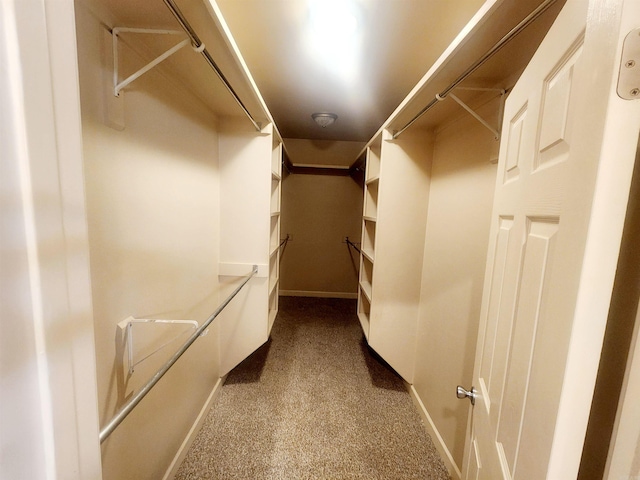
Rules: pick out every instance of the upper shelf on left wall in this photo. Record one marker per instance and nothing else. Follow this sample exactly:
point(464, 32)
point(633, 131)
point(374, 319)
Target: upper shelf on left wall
point(187, 66)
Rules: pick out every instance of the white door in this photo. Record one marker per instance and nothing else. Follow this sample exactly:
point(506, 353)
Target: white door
point(567, 152)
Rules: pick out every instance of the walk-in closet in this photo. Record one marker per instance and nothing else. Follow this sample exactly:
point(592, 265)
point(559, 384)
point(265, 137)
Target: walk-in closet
point(227, 252)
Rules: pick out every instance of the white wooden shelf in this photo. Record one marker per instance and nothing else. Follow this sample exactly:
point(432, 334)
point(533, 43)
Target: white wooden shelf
point(274, 286)
point(364, 322)
point(366, 289)
point(372, 180)
point(368, 255)
point(272, 317)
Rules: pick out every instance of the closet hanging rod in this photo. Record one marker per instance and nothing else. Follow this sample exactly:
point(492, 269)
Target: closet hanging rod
point(135, 400)
point(284, 242)
point(351, 244)
point(199, 46)
point(543, 7)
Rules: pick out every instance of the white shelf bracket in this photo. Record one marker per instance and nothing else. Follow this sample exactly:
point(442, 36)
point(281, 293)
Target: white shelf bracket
point(118, 86)
point(127, 326)
point(496, 132)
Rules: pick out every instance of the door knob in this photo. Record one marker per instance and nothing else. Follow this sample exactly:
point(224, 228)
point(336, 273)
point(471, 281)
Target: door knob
point(470, 394)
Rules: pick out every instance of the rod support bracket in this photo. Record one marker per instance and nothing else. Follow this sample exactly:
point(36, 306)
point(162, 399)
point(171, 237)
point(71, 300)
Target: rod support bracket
point(473, 113)
point(118, 86)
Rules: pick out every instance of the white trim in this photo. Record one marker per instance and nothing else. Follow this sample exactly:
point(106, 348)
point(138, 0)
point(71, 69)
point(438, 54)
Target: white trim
point(431, 429)
point(305, 293)
point(193, 431)
point(15, 122)
point(46, 149)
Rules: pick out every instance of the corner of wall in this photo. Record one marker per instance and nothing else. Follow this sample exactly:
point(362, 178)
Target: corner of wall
point(437, 439)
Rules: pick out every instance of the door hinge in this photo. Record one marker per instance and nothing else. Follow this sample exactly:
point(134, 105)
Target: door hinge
point(629, 76)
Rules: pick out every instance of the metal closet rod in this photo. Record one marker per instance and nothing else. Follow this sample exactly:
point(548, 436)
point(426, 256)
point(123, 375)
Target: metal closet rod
point(351, 244)
point(199, 46)
point(492, 51)
point(135, 400)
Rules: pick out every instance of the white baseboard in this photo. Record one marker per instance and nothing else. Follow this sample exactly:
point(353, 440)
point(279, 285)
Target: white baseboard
point(193, 431)
point(305, 293)
point(438, 441)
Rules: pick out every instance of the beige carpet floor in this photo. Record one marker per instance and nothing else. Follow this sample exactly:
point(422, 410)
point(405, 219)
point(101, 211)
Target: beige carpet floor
point(313, 403)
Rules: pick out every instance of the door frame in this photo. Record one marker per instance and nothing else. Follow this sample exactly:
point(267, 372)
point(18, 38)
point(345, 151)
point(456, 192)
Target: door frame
point(47, 228)
point(608, 214)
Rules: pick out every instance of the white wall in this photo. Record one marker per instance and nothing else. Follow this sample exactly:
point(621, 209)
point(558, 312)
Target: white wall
point(318, 211)
point(48, 414)
point(460, 201)
point(153, 216)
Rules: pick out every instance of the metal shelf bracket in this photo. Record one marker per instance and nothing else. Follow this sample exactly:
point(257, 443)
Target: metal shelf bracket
point(118, 86)
point(127, 326)
point(496, 132)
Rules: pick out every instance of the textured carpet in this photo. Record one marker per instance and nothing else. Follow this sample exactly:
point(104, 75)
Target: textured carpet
point(313, 403)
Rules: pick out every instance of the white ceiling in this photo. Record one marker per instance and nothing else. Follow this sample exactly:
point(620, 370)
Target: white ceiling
point(395, 43)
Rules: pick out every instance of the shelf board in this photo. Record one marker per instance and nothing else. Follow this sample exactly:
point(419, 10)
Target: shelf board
point(272, 318)
point(275, 214)
point(366, 289)
point(190, 69)
point(372, 180)
point(367, 218)
point(493, 20)
point(273, 250)
point(368, 255)
point(273, 287)
point(364, 322)
point(489, 25)
point(276, 176)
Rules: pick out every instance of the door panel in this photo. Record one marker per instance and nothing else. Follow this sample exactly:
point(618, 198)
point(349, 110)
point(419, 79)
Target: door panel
point(537, 256)
point(554, 116)
point(531, 275)
point(492, 368)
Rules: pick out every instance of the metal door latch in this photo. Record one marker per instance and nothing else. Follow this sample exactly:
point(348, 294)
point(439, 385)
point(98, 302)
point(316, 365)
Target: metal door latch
point(470, 394)
point(629, 75)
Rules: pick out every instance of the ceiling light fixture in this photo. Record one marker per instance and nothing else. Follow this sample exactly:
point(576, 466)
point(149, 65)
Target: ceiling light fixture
point(324, 119)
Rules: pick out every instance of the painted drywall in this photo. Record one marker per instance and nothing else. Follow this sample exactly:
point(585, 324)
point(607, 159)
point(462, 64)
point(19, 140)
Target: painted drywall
point(153, 215)
point(460, 201)
point(318, 212)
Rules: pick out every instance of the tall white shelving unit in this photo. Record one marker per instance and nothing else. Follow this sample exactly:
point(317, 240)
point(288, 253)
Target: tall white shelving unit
point(367, 245)
point(398, 161)
point(393, 227)
point(274, 229)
